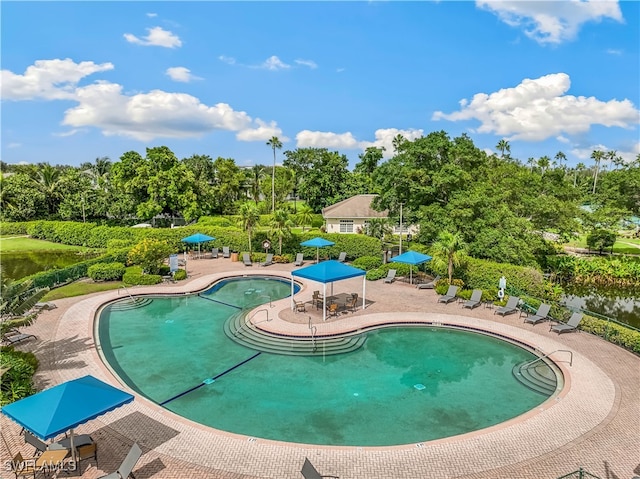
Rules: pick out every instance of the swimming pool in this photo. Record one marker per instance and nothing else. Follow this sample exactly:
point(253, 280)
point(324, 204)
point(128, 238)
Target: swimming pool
point(404, 385)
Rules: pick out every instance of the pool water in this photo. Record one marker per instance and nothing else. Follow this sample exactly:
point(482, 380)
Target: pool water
point(405, 385)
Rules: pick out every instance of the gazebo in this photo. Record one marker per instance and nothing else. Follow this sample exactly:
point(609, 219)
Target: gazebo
point(328, 272)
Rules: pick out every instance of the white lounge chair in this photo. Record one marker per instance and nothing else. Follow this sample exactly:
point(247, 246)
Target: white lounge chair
point(225, 252)
point(430, 285)
point(299, 259)
point(268, 261)
point(391, 276)
point(343, 257)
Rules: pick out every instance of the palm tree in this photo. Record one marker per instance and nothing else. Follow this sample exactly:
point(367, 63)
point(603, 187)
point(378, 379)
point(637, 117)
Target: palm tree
point(449, 249)
point(503, 145)
point(249, 218)
point(16, 298)
point(304, 216)
point(255, 177)
point(274, 143)
point(48, 180)
point(280, 226)
point(597, 156)
point(561, 157)
point(580, 167)
point(397, 142)
point(378, 228)
point(543, 163)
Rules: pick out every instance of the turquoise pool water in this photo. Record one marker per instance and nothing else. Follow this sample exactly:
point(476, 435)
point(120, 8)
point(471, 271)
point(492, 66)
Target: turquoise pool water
point(405, 385)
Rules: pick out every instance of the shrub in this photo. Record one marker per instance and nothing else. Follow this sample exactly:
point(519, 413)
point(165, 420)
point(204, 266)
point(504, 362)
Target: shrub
point(612, 332)
point(19, 228)
point(106, 271)
point(17, 380)
point(180, 275)
point(367, 262)
point(135, 278)
point(443, 285)
point(149, 254)
point(118, 244)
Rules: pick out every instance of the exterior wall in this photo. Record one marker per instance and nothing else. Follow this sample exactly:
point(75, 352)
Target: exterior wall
point(333, 225)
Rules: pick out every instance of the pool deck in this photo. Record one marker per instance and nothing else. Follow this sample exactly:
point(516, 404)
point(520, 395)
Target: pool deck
point(593, 423)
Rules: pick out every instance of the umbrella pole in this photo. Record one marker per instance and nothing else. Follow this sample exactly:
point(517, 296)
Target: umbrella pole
point(73, 449)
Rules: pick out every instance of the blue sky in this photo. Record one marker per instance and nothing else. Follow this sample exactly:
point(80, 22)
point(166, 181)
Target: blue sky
point(82, 80)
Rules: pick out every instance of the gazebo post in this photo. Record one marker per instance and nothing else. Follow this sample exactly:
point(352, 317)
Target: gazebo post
point(364, 289)
point(324, 301)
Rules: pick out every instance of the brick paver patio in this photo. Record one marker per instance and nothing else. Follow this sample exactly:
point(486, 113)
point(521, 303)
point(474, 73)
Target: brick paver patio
point(594, 423)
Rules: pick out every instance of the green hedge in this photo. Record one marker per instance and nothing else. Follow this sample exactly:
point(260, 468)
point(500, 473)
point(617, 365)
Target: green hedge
point(612, 332)
point(134, 278)
point(367, 262)
point(7, 229)
point(106, 271)
point(17, 381)
point(180, 275)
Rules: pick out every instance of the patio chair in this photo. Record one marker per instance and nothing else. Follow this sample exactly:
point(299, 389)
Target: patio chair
point(225, 252)
point(126, 468)
point(88, 451)
point(343, 257)
point(22, 467)
point(510, 307)
point(214, 253)
point(268, 261)
point(391, 276)
point(310, 472)
point(301, 307)
point(351, 304)
point(449, 296)
point(475, 299)
point(246, 259)
point(317, 299)
point(572, 324)
point(13, 336)
point(430, 285)
point(332, 309)
point(542, 314)
point(35, 442)
point(299, 259)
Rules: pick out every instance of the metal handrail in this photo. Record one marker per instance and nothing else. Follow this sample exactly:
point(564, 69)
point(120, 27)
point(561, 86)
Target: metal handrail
point(531, 363)
point(127, 291)
point(314, 330)
point(267, 296)
point(253, 315)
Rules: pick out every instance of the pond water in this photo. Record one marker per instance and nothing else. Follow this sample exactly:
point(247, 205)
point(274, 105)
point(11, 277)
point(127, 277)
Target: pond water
point(17, 265)
point(621, 304)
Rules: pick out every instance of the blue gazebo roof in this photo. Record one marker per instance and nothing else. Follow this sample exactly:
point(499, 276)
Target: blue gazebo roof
point(58, 409)
point(328, 272)
point(412, 257)
point(198, 238)
point(317, 243)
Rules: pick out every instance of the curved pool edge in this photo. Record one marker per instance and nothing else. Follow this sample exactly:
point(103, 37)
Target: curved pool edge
point(586, 400)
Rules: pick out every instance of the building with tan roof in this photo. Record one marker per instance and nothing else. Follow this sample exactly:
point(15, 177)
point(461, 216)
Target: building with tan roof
point(351, 215)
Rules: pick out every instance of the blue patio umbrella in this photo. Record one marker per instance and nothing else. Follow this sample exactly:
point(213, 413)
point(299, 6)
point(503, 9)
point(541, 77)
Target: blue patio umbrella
point(317, 243)
point(412, 258)
point(197, 238)
point(64, 407)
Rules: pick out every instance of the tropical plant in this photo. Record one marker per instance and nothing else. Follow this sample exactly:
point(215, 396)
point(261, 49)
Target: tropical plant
point(18, 297)
point(249, 219)
point(378, 228)
point(597, 156)
point(149, 254)
point(503, 145)
point(280, 226)
point(274, 143)
point(448, 251)
point(304, 216)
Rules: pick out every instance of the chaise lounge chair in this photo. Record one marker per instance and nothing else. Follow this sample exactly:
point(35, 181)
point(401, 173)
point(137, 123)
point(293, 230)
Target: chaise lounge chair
point(126, 468)
point(572, 324)
point(310, 472)
point(13, 336)
point(268, 261)
point(542, 314)
point(246, 259)
point(430, 285)
point(225, 252)
point(510, 307)
point(391, 276)
point(343, 257)
point(214, 253)
point(475, 299)
point(299, 259)
point(44, 306)
point(449, 296)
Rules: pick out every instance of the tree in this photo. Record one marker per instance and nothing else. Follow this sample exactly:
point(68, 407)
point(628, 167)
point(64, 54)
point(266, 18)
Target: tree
point(249, 219)
point(543, 163)
point(561, 157)
point(16, 298)
point(597, 156)
point(580, 167)
point(304, 216)
point(255, 175)
point(46, 179)
point(378, 228)
point(599, 239)
point(274, 143)
point(149, 254)
point(448, 250)
point(503, 145)
point(280, 226)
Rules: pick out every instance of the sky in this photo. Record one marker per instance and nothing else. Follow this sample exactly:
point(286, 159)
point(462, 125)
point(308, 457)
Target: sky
point(83, 80)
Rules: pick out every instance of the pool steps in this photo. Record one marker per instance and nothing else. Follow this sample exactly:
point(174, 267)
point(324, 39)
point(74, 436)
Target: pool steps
point(538, 377)
point(250, 336)
point(127, 305)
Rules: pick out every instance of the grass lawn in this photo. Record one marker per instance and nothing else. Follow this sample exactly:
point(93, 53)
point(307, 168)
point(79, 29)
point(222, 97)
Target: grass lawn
point(29, 244)
point(621, 246)
point(80, 288)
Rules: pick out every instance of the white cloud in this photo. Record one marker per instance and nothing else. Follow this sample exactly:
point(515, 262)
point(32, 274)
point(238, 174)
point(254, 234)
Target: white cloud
point(613, 51)
point(228, 60)
point(563, 139)
point(539, 109)
point(326, 139)
point(307, 63)
point(14, 145)
point(181, 74)
point(152, 15)
point(584, 153)
point(274, 63)
point(64, 134)
point(146, 116)
point(340, 70)
point(384, 139)
point(263, 131)
point(48, 79)
point(552, 21)
point(157, 37)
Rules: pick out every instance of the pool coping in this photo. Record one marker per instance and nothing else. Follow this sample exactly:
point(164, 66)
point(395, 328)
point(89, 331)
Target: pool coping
point(585, 401)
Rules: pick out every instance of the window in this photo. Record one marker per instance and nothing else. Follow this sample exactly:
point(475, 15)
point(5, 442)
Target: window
point(346, 226)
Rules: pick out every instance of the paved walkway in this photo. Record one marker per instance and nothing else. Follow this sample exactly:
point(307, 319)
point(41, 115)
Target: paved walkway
point(594, 423)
